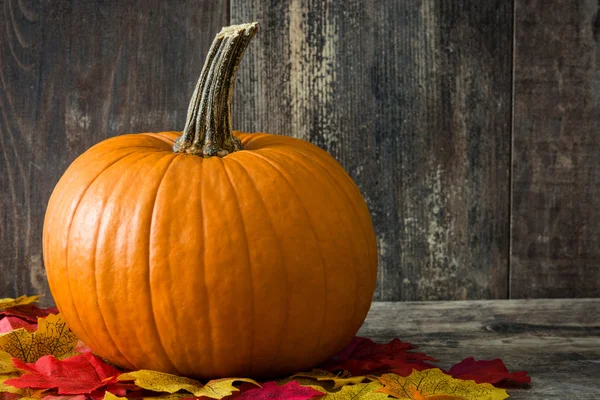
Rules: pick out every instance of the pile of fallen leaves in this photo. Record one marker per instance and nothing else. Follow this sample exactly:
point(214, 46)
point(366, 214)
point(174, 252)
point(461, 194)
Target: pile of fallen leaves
point(40, 358)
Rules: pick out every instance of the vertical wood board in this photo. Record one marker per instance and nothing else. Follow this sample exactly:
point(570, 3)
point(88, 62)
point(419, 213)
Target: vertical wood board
point(72, 74)
point(414, 99)
point(555, 227)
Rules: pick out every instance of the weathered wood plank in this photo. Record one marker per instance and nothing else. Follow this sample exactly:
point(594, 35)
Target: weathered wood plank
point(74, 73)
point(413, 98)
point(556, 341)
point(555, 231)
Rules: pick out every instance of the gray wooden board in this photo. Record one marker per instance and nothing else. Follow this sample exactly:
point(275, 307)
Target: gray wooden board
point(413, 98)
point(72, 74)
point(556, 341)
point(555, 226)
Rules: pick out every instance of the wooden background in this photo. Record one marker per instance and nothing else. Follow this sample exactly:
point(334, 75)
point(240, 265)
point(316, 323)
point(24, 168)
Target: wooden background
point(471, 127)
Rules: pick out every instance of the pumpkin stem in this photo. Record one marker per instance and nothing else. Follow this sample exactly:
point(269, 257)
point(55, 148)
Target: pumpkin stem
point(207, 129)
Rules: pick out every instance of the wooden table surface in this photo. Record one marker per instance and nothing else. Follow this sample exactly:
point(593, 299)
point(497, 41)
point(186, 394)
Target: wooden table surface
point(556, 341)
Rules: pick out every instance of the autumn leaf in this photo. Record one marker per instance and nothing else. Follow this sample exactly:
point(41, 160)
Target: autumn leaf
point(28, 312)
point(19, 301)
point(80, 374)
point(169, 396)
point(272, 391)
point(22, 396)
point(434, 384)
point(6, 365)
point(75, 397)
point(361, 391)
point(162, 382)
point(4, 388)
point(322, 386)
point(484, 371)
point(364, 348)
point(52, 337)
point(219, 388)
point(110, 396)
point(363, 356)
point(118, 389)
point(81, 347)
point(7, 371)
point(338, 380)
point(8, 324)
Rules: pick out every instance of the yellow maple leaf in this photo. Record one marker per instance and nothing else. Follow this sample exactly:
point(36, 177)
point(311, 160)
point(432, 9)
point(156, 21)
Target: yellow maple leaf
point(338, 380)
point(6, 388)
point(219, 388)
point(360, 391)
point(52, 337)
point(433, 384)
point(162, 382)
point(19, 301)
point(110, 396)
point(6, 365)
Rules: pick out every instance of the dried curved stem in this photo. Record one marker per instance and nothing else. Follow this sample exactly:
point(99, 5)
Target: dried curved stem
point(207, 129)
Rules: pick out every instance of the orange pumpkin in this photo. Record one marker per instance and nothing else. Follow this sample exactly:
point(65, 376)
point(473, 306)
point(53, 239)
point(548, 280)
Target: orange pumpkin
point(216, 254)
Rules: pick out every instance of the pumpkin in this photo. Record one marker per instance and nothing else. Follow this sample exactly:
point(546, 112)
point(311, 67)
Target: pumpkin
point(210, 253)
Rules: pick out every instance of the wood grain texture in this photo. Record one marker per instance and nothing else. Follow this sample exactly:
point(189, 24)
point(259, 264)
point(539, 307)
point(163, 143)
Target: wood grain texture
point(556, 174)
point(72, 74)
point(556, 341)
point(414, 99)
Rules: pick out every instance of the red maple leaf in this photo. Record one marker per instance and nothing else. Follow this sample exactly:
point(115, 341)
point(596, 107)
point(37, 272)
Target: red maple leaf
point(8, 324)
point(361, 347)
point(28, 312)
point(271, 391)
point(484, 371)
point(363, 356)
point(81, 374)
point(9, 396)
